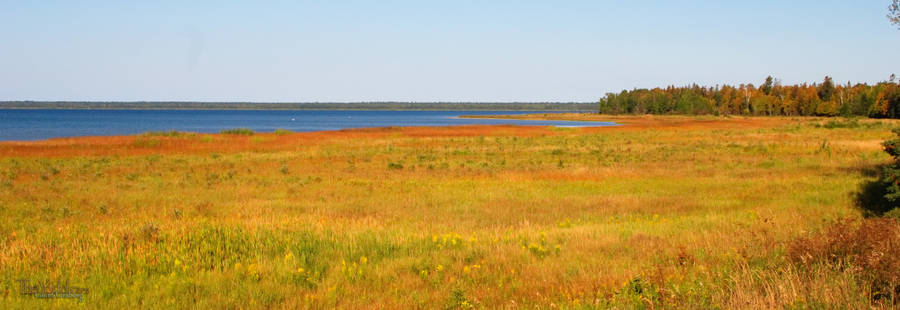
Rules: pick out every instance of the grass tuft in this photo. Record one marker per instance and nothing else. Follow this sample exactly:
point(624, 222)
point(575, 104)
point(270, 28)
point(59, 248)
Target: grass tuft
point(238, 131)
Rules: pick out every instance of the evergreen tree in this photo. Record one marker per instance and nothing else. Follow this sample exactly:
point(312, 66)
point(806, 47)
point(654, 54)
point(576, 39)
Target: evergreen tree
point(766, 87)
point(826, 90)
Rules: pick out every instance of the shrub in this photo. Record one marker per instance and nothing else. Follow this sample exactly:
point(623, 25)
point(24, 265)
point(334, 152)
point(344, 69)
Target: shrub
point(870, 249)
point(871, 198)
point(150, 231)
point(883, 195)
point(458, 300)
point(395, 166)
point(238, 131)
point(280, 131)
point(170, 133)
point(891, 173)
point(891, 146)
point(146, 142)
point(847, 123)
point(893, 214)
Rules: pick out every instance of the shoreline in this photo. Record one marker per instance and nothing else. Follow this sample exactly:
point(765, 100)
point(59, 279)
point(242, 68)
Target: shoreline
point(85, 144)
point(291, 109)
point(532, 121)
point(626, 122)
point(279, 106)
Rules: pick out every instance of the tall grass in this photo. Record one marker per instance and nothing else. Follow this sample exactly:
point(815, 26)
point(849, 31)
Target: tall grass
point(669, 212)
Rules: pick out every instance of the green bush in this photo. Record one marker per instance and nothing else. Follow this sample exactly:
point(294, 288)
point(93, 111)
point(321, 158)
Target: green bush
point(846, 123)
point(395, 166)
point(170, 133)
point(883, 195)
point(238, 131)
point(894, 214)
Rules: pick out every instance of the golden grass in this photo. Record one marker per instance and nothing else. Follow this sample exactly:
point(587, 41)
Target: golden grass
point(665, 211)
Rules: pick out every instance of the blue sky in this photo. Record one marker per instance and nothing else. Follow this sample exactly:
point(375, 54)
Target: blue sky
point(428, 50)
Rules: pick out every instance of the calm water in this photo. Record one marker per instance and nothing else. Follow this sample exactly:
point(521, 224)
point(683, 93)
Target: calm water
point(45, 124)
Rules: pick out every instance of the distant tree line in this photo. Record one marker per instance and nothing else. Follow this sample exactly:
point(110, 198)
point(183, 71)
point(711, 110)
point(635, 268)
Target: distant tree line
point(881, 100)
point(381, 105)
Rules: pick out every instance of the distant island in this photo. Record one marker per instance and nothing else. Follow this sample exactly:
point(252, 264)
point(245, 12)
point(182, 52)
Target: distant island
point(385, 105)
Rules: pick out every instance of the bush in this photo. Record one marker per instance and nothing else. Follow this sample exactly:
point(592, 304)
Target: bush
point(883, 195)
point(891, 146)
point(238, 131)
point(871, 198)
point(150, 231)
point(146, 142)
point(870, 249)
point(170, 133)
point(280, 131)
point(395, 166)
point(847, 123)
point(893, 214)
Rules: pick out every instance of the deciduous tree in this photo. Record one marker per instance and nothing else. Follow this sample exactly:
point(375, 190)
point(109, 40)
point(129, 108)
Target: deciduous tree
point(894, 12)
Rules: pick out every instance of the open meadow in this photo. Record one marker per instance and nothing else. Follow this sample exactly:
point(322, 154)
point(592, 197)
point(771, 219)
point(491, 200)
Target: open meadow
point(662, 212)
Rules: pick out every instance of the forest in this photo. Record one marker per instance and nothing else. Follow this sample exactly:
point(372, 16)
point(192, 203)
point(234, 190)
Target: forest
point(881, 100)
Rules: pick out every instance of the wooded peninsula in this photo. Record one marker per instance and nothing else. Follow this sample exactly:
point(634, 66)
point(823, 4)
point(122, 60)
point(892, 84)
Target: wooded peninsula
point(881, 100)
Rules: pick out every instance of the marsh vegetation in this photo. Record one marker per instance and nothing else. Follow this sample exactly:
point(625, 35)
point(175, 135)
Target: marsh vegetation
point(665, 212)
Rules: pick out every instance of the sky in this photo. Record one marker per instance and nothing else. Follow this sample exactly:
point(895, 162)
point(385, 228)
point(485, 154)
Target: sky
point(490, 51)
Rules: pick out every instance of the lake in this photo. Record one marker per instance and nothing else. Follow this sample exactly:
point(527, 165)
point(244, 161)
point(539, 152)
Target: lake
point(45, 124)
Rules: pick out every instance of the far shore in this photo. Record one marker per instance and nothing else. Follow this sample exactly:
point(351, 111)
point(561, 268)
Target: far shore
point(357, 106)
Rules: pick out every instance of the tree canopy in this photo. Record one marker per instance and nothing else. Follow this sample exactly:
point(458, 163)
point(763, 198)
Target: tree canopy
point(894, 12)
point(770, 98)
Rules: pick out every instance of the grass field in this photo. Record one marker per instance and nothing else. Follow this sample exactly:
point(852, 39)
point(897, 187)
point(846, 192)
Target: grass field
point(663, 212)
